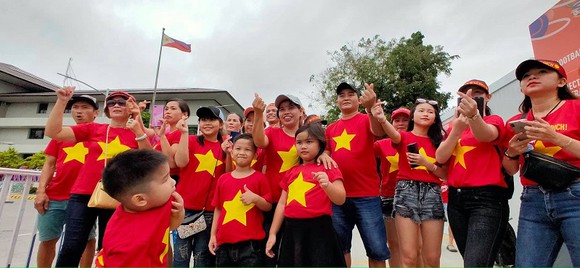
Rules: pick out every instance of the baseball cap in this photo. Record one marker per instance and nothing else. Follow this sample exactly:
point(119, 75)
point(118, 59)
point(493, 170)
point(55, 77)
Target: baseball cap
point(474, 82)
point(123, 94)
point(529, 64)
point(287, 97)
point(344, 85)
point(210, 112)
point(86, 98)
point(400, 111)
point(247, 111)
point(314, 119)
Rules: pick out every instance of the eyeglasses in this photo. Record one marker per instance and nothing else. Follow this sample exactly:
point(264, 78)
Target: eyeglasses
point(120, 102)
point(432, 102)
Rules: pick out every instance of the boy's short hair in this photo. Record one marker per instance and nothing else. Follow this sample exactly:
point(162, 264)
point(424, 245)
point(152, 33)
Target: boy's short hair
point(246, 136)
point(130, 171)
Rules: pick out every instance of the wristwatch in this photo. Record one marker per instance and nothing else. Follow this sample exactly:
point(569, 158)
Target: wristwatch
point(516, 157)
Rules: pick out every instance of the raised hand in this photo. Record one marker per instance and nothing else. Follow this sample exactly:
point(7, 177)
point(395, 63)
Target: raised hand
point(65, 93)
point(467, 106)
point(368, 97)
point(182, 126)
point(258, 104)
point(378, 113)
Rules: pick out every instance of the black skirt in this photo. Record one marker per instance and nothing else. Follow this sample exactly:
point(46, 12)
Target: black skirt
point(310, 242)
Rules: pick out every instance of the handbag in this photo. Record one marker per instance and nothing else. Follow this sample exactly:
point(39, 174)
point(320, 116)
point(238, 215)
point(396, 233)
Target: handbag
point(100, 198)
point(549, 172)
point(192, 225)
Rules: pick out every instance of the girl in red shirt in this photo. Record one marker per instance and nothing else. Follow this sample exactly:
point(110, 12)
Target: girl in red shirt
point(305, 205)
point(417, 205)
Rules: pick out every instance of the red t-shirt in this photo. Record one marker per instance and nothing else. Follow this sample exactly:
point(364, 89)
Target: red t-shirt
point(476, 163)
point(306, 199)
point(94, 136)
point(238, 222)
point(426, 149)
point(280, 156)
point(565, 120)
point(136, 239)
point(197, 179)
point(70, 158)
point(172, 137)
point(389, 166)
point(444, 192)
point(350, 143)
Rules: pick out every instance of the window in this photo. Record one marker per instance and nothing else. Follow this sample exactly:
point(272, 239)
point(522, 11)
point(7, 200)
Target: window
point(42, 108)
point(36, 133)
point(192, 130)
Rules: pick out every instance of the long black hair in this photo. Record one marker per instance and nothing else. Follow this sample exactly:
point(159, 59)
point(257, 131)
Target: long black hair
point(436, 132)
point(315, 131)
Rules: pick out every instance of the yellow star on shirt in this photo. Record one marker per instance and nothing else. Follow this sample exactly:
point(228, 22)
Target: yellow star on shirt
point(424, 154)
point(207, 162)
point(113, 148)
point(550, 151)
point(77, 152)
point(289, 159)
point(236, 210)
point(297, 190)
point(394, 160)
point(165, 241)
point(343, 141)
point(459, 153)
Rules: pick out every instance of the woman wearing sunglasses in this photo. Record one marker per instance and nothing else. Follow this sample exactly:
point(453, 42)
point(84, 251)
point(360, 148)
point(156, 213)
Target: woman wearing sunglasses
point(95, 144)
point(478, 204)
point(418, 208)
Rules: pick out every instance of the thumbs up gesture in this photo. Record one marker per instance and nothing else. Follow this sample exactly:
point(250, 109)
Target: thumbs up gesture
point(248, 197)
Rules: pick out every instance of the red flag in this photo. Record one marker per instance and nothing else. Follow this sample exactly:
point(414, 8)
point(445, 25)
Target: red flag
point(174, 43)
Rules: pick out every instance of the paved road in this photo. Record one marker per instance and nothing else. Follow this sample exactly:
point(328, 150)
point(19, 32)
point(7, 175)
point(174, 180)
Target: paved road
point(10, 214)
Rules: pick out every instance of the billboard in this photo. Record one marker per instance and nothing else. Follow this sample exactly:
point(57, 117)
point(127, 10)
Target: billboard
point(556, 36)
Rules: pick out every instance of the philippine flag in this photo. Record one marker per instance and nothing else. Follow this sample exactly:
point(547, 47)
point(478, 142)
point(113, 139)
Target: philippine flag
point(170, 42)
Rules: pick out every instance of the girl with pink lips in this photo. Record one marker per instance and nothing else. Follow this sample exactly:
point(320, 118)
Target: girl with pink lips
point(169, 134)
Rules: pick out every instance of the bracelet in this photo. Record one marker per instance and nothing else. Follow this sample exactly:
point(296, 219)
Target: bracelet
point(517, 157)
point(140, 138)
point(567, 144)
point(473, 117)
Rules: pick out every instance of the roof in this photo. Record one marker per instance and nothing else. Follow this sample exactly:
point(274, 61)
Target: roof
point(26, 80)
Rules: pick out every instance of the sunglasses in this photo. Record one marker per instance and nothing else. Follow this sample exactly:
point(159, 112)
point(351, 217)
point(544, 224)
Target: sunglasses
point(420, 101)
point(120, 102)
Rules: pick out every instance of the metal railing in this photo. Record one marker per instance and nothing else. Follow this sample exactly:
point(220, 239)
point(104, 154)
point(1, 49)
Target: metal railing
point(8, 177)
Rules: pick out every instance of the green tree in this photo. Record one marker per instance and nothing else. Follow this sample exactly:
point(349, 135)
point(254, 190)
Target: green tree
point(11, 158)
point(35, 161)
point(401, 71)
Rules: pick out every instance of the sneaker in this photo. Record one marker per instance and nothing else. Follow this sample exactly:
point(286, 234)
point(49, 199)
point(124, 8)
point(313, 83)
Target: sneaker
point(451, 248)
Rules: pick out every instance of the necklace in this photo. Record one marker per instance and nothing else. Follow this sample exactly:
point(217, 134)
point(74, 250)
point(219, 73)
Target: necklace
point(553, 108)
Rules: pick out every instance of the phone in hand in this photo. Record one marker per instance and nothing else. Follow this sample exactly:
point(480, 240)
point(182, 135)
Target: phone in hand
point(233, 135)
point(459, 102)
point(413, 148)
point(480, 104)
point(518, 127)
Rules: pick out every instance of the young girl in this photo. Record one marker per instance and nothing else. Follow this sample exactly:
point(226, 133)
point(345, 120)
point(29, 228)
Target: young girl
point(548, 218)
point(201, 161)
point(240, 198)
point(307, 192)
point(417, 203)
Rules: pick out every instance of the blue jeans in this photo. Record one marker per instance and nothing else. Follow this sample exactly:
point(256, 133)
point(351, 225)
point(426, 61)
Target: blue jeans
point(366, 214)
point(478, 217)
point(196, 244)
point(79, 222)
point(548, 219)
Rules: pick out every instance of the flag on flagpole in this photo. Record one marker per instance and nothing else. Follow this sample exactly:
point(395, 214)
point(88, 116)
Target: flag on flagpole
point(174, 43)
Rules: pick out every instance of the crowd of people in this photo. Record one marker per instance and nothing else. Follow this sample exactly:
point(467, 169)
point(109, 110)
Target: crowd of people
point(277, 188)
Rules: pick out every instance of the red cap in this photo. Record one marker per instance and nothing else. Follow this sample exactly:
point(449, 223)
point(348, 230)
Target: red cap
point(123, 94)
point(529, 64)
point(400, 111)
point(247, 111)
point(474, 82)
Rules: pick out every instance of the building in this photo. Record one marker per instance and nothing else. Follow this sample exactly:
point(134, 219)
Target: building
point(26, 100)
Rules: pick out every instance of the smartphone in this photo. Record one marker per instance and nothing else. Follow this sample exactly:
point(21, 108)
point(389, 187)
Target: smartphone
point(157, 116)
point(518, 127)
point(480, 103)
point(413, 148)
point(459, 102)
point(233, 135)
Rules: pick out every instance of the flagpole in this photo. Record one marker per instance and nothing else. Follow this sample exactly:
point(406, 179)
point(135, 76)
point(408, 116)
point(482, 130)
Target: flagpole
point(156, 78)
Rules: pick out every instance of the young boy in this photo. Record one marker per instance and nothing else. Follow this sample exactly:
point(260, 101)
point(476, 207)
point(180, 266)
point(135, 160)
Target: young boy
point(137, 234)
point(239, 199)
point(350, 144)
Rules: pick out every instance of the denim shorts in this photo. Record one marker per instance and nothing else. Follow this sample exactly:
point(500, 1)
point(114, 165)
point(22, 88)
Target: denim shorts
point(387, 207)
point(418, 201)
point(50, 224)
point(365, 213)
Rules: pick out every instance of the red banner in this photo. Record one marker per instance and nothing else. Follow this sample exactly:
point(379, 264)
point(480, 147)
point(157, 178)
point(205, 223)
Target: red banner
point(556, 36)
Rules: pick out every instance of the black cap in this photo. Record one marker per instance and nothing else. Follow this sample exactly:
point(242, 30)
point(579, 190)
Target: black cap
point(86, 98)
point(210, 112)
point(345, 85)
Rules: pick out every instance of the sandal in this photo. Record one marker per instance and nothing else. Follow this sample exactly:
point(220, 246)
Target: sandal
point(451, 248)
